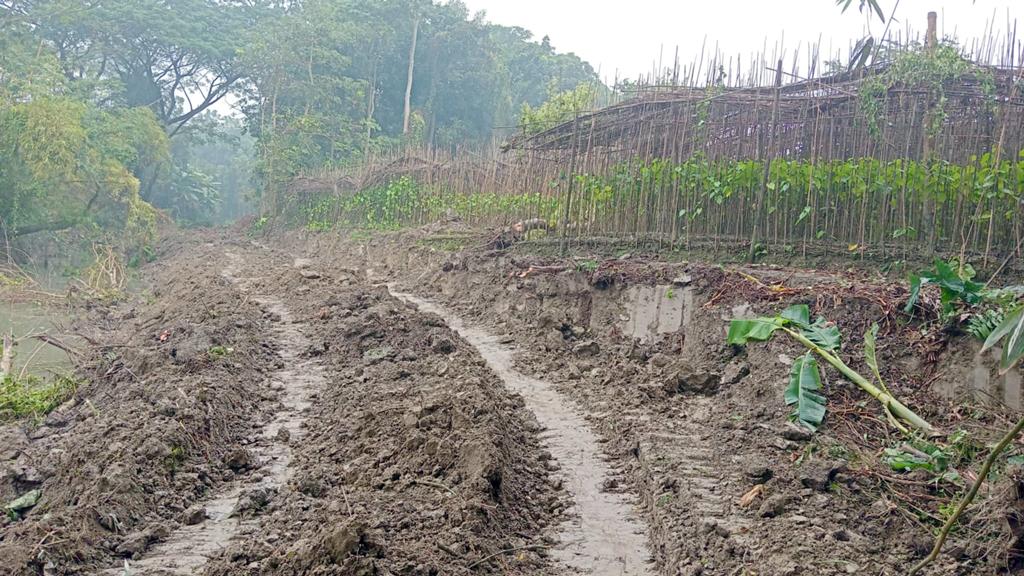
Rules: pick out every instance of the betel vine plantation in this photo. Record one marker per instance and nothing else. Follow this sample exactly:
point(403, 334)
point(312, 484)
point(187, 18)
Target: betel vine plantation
point(396, 288)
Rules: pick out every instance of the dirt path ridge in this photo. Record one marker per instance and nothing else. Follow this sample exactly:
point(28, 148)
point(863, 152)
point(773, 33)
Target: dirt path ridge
point(188, 548)
point(603, 537)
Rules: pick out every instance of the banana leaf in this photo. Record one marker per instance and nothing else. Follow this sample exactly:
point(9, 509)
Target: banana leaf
point(804, 379)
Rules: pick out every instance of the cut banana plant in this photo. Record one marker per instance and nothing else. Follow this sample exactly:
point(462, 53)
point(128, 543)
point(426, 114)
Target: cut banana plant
point(822, 338)
point(804, 381)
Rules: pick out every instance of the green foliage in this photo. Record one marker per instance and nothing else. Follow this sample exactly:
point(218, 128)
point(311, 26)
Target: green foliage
point(327, 78)
point(742, 331)
point(871, 5)
point(955, 284)
point(821, 338)
point(319, 83)
point(32, 398)
point(703, 197)
point(870, 354)
point(219, 352)
point(924, 455)
point(1011, 333)
point(988, 319)
point(804, 381)
point(404, 202)
point(559, 107)
point(981, 324)
point(257, 226)
point(917, 68)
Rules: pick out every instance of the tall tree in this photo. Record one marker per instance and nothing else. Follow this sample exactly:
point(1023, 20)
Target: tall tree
point(408, 84)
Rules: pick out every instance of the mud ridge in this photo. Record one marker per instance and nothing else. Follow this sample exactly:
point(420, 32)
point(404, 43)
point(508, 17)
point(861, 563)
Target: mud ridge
point(190, 547)
point(174, 388)
point(602, 537)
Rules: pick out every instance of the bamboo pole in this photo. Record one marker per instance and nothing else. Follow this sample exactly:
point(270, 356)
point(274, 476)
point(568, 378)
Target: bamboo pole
point(8, 356)
point(759, 209)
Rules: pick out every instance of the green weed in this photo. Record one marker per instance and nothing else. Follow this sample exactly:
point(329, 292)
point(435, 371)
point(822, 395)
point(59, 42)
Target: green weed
point(32, 398)
point(218, 352)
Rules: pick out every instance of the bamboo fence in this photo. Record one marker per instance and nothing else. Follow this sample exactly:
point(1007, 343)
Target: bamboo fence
point(704, 156)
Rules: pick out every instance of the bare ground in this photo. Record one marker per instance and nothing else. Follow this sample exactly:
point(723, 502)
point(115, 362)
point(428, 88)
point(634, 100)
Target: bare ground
point(299, 418)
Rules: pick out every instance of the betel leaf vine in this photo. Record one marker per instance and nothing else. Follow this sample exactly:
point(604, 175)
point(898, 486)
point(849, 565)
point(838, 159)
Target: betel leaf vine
point(821, 338)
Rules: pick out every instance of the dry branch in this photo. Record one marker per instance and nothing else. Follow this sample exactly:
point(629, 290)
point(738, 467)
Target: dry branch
point(970, 496)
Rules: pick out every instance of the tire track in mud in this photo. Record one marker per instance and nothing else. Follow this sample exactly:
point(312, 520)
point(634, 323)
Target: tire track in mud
point(189, 548)
point(603, 537)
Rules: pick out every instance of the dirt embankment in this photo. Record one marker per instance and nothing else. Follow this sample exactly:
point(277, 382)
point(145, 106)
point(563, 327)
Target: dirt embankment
point(173, 385)
point(287, 419)
point(696, 424)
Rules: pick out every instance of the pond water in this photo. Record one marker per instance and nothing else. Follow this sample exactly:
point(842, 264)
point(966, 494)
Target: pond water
point(20, 319)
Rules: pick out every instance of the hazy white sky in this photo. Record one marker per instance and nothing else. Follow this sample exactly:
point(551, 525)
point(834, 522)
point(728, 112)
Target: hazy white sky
point(629, 35)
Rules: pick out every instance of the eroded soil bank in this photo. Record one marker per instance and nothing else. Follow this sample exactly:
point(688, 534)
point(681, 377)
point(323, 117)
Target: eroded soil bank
point(692, 424)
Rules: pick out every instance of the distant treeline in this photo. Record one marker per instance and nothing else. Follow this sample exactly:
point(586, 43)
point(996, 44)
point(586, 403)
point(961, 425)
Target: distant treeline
point(107, 106)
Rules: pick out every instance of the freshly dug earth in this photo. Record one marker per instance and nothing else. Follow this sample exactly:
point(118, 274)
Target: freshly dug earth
point(161, 406)
point(698, 424)
point(413, 457)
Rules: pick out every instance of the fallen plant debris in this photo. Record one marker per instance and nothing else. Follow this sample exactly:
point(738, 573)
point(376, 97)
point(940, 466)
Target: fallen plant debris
point(747, 499)
point(821, 338)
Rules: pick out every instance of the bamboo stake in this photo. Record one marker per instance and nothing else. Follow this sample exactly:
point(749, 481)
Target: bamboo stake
point(8, 356)
point(762, 192)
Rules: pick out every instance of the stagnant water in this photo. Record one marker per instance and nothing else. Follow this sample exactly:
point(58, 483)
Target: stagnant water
point(20, 319)
point(603, 536)
point(188, 548)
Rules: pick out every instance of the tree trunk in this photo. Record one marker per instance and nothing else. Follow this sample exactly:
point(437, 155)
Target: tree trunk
point(408, 84)
point(43, 227)
point(372, 105)
point(931, 233)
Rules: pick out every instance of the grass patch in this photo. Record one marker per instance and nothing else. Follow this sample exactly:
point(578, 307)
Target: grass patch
point(33, 398)
point(218, 352)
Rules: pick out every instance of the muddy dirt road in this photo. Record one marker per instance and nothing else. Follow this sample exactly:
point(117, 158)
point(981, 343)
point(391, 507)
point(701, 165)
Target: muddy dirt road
point(274, 417)
point(311, 407)
point(604, 537)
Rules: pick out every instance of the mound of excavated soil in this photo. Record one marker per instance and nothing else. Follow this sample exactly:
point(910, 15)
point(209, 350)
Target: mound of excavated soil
point(401, 454)
point(171, 384)
point(414, 459)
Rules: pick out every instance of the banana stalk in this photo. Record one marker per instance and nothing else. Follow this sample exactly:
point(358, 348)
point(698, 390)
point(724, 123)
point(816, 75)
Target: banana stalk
point(891, 404)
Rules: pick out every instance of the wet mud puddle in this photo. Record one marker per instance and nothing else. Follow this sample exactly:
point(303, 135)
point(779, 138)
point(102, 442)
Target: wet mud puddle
point(188, 548)
point(603, 536)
